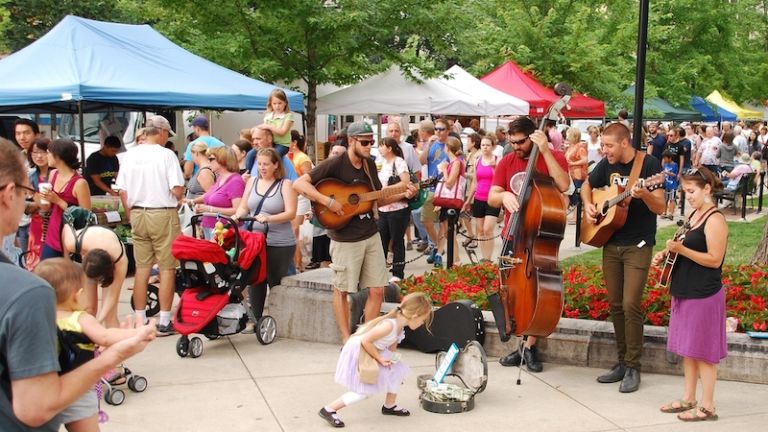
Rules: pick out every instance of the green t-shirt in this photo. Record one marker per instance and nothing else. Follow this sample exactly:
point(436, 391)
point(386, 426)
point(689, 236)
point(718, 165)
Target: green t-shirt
point(285, 139)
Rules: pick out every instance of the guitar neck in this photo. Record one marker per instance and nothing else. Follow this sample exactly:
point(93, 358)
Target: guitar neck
point(620, 197)
point(383, 193)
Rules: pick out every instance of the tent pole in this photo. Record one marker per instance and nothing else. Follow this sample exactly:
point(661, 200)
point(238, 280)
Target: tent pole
point(81, 124)
point(642, 41)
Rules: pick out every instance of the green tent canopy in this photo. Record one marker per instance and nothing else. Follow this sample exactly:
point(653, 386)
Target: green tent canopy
point(656, 108)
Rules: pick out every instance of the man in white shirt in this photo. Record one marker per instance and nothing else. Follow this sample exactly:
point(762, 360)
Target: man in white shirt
point(151, 183)
point(409, 153)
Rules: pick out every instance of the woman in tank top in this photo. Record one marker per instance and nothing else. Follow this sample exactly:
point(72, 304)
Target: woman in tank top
point(69, 189)
point(477, 199)
point(204, 178)
point(697, 321)
point(271, 200)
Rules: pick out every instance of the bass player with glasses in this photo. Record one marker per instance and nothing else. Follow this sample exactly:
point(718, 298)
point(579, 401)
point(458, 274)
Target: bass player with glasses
point(627, 252)
point(356, 252)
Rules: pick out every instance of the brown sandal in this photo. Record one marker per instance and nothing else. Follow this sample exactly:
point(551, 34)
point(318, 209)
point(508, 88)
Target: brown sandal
point(682, 406)
point(694, 415)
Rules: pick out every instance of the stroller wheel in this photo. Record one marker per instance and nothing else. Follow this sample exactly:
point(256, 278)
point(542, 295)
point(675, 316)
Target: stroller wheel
point(266, 330)
point(114, 397)
point(182, 346)
point(137, 383)
point(195, 347)
point(153, 301)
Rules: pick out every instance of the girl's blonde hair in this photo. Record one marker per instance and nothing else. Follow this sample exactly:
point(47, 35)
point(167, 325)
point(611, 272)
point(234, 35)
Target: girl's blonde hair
point(573, 135)
point(280, 94)
point(63, 275)
point(454, 145)
point(413, 305)
point(199, 147)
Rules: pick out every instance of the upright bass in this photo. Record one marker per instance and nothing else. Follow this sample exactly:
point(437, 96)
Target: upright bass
point(531, 283)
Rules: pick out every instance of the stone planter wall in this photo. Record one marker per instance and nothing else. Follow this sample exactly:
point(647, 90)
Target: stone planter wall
point(302, 307)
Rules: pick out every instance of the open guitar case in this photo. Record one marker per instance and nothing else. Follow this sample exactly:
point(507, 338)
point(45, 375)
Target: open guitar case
point(467, 376)
point(459, 322)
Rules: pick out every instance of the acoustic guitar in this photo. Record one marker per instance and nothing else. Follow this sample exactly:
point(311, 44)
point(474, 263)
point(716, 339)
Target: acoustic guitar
point(612, 207)
point(355, 198)
point(671, 257)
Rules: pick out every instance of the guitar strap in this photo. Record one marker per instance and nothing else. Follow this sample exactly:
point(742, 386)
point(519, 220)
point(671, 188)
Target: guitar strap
point(634, 175)
point(375, 206)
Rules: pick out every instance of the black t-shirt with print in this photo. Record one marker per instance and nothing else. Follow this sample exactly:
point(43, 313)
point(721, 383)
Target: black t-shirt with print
point(362, 226)
point(641, 221)
point(105, 167)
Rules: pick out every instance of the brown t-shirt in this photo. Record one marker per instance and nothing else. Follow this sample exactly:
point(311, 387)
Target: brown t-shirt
point(361, 226)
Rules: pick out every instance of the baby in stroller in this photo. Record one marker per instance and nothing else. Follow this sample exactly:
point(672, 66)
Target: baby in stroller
point(213, 276)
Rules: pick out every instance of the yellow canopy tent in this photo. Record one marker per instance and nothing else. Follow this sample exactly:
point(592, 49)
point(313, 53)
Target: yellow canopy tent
point(728, 104)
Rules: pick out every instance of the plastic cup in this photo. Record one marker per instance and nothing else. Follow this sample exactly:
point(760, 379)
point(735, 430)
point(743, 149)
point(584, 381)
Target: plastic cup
point(45, 188)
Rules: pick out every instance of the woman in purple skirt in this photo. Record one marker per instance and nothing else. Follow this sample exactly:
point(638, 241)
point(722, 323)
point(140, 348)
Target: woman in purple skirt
point(379, 338)
point(697, 322)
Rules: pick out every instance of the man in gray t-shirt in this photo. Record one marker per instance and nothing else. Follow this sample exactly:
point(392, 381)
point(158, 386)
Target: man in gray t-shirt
point(31, 390)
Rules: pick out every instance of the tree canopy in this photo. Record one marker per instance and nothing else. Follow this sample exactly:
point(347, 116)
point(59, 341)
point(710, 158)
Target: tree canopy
point(694, 46)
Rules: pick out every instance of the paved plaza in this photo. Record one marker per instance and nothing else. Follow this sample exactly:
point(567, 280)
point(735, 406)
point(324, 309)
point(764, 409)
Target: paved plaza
point(241, 385)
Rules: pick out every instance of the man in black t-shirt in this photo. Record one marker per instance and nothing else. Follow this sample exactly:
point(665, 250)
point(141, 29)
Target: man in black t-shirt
point(676, 146)
point(356, 252)
point(101, 168)
point(627, 254)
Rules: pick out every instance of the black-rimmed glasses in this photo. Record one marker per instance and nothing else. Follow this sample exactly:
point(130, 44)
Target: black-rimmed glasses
point(364, 143)
point(29, 192)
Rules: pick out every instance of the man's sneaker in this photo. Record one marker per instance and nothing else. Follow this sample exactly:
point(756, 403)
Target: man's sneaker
point(165, 330)
point(438, 261)
point(422, 246)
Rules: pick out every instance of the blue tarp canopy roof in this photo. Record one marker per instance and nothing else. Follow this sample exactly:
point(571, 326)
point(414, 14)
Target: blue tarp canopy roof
point(110, 65)
point(708, 113)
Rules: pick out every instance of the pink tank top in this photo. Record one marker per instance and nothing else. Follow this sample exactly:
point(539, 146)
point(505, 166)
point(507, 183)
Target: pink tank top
point(484, 176)
point(53, 234)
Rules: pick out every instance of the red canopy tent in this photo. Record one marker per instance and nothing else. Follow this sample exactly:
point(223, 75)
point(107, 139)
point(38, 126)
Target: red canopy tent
point(512, 80)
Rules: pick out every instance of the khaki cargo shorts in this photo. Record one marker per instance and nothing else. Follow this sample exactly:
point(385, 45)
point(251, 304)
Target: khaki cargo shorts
point(359, 263)
point(153, 231)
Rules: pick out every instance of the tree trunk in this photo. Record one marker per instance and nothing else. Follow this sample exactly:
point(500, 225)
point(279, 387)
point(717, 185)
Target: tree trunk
point(761, 253)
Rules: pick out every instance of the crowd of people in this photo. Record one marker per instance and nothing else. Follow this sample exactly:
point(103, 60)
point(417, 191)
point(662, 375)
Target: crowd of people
point(268, 176)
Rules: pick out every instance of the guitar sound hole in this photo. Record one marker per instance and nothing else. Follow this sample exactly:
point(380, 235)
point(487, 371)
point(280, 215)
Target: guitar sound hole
point(353, 199)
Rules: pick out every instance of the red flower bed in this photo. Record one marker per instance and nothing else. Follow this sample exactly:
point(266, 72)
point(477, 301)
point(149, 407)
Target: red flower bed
point(586, 296)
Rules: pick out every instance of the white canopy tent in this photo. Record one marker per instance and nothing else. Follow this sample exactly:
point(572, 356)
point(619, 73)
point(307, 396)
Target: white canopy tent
point(497, 103)
point(391, 92)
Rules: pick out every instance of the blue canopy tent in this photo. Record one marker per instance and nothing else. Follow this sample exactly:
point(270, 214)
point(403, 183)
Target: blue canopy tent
point(83, 65)
point(708, 113)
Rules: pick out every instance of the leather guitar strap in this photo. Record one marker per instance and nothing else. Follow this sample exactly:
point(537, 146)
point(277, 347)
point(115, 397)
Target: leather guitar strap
point(375, 206)
point(634, 175)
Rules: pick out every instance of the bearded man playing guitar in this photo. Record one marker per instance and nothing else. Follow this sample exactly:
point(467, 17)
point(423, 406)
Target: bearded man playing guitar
point(522, 136)
point(356, 252)
point(628, 251)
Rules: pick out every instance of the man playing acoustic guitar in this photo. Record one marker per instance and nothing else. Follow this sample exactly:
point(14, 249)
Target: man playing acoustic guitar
point(627, 253)
point(358, 258)
point(522, 136)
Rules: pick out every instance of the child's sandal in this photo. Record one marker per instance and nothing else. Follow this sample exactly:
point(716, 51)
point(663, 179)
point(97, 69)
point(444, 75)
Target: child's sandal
point(395, 411)
point(331, 417)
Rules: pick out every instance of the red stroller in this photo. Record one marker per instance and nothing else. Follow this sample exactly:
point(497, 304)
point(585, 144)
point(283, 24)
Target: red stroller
point(213, 278)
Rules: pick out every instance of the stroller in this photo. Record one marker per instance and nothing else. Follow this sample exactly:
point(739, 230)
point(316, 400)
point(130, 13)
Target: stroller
point(212, 279)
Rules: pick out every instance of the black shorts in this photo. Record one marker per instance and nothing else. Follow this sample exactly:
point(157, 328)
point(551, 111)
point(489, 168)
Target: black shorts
point(481, 209)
